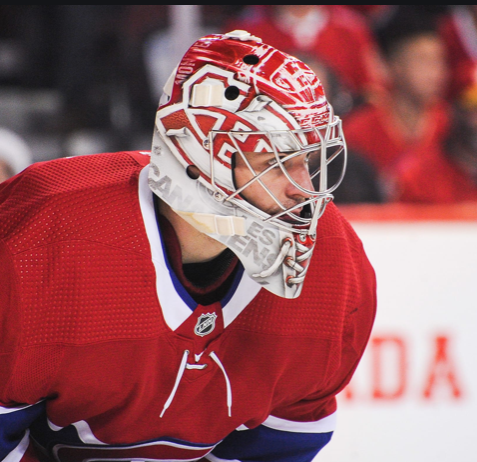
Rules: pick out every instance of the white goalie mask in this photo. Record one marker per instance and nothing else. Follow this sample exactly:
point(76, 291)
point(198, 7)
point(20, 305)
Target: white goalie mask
point(242, 143)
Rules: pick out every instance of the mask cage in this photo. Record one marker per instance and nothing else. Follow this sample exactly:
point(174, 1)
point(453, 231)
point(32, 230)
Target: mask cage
point(321, 145)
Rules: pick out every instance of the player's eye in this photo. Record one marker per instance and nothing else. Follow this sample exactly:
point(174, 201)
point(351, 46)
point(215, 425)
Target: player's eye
point(273, 160)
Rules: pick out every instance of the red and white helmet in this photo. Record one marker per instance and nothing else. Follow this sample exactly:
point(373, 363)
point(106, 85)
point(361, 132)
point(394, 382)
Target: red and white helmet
point(231, 95)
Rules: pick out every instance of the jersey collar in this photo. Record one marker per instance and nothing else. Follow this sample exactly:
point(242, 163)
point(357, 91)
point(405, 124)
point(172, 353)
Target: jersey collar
point(174, 300)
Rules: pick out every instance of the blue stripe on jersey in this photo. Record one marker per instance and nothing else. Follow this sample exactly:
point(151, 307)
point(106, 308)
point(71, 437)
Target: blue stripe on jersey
point(188, 300)
point(13, 424)
point(47, 437)
point(263, 444)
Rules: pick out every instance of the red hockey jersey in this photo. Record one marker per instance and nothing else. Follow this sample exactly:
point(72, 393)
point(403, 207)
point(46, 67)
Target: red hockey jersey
point(105, 356)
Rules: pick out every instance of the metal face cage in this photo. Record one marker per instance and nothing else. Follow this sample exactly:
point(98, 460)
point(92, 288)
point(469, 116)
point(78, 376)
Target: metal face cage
point(318, 147)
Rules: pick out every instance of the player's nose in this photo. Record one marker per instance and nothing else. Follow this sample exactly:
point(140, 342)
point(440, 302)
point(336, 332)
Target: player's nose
point(301, 176)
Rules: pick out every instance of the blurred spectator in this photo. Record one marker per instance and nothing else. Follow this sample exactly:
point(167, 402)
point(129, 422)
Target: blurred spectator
point(448, 171)
point(15, 154)
point(162, 49)
point(333, 34)
point(164, 46)
point(361, 182)
point(373, 14)
point(413, 114)
point(459, 32)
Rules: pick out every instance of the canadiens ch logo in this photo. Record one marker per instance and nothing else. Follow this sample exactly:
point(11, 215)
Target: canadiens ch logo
point(205, 324)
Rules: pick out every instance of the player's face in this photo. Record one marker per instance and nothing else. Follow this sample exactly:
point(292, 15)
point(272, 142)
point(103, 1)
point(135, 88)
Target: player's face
point(275, 180)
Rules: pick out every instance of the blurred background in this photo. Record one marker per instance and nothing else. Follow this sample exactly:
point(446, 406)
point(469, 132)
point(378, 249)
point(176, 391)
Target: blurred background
point(83, 79)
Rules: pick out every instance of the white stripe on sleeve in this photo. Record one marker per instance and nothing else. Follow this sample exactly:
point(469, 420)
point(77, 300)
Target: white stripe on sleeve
point(325, 425)
point(213, 458)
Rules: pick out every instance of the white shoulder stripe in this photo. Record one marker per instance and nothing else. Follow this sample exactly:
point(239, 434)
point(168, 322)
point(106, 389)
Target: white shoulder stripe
point(85, 433)
point(245, 293)
point(174, 309)
point(213, 458)
point(325, 425)
point(17, 454)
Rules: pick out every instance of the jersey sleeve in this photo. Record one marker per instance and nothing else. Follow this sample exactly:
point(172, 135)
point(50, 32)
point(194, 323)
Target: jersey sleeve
point(276, 439)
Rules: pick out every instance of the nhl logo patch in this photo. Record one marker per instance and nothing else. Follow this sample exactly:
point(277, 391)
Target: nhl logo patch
point(205, 324)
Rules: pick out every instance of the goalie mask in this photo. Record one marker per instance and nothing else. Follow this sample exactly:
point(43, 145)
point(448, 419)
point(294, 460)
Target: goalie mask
point(243, 139)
